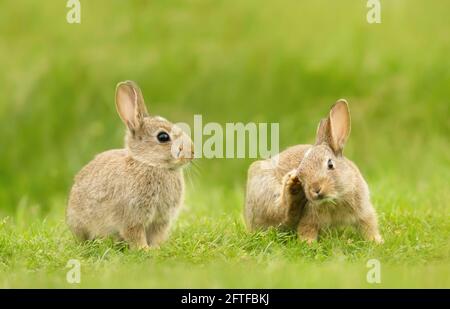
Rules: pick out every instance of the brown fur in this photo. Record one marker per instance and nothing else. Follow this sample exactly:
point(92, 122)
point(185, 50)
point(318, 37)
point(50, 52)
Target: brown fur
point(301, 192)
point(132, 193)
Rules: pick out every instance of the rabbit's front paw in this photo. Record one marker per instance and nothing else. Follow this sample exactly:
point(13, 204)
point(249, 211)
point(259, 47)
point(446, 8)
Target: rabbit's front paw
point(307, 232)
point(308, 240)
point(144, 248)
point(377, 239)
point(291, 183)
point(135, 236)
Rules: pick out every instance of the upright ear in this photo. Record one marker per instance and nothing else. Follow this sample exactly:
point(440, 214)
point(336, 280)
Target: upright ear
point(130, 105)
point(323, 132)
point(335, 129)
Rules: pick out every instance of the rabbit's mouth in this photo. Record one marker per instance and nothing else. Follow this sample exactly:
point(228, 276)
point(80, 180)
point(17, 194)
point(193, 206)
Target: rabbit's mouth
point(181, 161)
point(320, 199)
point(327, 200)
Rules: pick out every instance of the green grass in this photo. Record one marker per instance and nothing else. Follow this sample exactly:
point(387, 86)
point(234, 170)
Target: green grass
point(214, 250)
point(230, 61)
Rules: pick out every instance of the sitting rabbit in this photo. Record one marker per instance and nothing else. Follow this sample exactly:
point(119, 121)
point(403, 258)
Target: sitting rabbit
point(132, 193)
point(312, 186)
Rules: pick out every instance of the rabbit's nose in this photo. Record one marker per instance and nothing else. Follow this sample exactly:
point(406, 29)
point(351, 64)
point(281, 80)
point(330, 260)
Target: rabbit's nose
point(316, 193)
point(185, 151)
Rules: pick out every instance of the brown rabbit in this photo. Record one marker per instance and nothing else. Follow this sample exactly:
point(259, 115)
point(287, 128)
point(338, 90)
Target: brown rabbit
point(133, 193)
point(312, 186)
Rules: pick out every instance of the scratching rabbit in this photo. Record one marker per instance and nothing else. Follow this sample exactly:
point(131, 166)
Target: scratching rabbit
point(312, 186)
point(132, 193)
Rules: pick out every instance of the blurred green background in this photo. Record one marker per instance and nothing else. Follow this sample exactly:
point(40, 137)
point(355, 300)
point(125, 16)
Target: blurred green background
point(230, 61)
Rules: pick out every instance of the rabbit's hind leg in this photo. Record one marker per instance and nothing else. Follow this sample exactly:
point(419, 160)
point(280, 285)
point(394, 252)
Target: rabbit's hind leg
point(368, 225)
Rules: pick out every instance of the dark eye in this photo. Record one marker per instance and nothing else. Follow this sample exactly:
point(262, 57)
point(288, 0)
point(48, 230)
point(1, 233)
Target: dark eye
point(330, 164)
point(163, 137)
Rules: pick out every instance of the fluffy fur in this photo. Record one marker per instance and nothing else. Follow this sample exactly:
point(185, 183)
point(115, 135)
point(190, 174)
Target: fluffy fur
point(312, 186)
point(133, 193)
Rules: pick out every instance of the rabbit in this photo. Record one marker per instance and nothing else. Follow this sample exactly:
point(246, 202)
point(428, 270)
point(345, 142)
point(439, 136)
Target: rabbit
point(132, 194)
point(312, 186)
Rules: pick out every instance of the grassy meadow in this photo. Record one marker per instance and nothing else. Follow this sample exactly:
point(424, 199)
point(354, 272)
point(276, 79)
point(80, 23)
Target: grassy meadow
point(229, 61)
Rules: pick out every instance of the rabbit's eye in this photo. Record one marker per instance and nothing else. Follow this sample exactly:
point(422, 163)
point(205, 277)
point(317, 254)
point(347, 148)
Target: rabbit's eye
point(163, 137)
point(330, 164)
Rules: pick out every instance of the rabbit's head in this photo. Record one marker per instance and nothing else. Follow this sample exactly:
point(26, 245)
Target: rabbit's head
point(151, 139)
point(323, 171)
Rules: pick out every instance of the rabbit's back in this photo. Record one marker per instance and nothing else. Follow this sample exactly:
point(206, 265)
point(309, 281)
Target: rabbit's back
point(100, 179)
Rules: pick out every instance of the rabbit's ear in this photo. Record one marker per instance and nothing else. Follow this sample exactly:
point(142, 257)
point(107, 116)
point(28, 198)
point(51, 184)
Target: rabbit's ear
point(130, 105)
point(323, 134)
point(340, 123)
point(335, 129)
